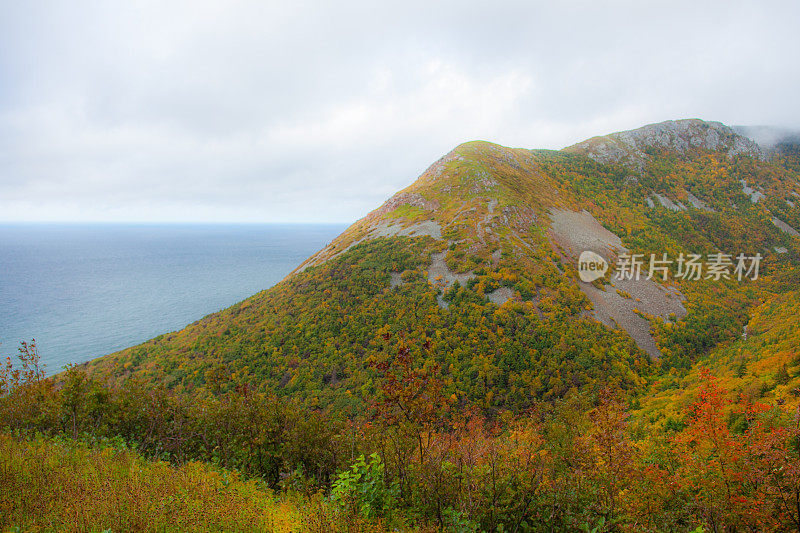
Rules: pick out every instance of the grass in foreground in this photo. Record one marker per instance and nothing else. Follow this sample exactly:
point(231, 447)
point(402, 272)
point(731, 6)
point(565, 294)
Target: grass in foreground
point(64, 485)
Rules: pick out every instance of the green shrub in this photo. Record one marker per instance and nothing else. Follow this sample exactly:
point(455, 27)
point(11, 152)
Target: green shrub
point(363, 489)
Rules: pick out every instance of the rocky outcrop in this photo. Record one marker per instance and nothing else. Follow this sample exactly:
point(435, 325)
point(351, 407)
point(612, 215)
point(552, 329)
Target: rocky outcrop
point(629, 148)
point(576, 232)
point(407, 198)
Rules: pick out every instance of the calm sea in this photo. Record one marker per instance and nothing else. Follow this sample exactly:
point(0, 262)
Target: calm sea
point(87, 290)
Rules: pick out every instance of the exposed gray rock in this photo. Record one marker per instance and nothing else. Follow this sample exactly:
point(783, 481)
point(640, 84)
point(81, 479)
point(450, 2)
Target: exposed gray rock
point(784, 227)
point(697, 203)
point(613, 310)
point(407, 198)
point(390, 228)
point(744, 146)
point(628, 147)
point(481, 227)
point(754, 195)
point(517, 218)
point(501, 295)
point(496, 256)
point(669, 204)
point(577, 232)
point(440, 275)
point(481, 181)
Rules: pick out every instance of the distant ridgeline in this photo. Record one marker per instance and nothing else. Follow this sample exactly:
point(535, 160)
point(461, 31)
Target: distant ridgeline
point(474, 268)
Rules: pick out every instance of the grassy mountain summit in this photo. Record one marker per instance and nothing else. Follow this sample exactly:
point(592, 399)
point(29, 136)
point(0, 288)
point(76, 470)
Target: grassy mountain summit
point(476, 262)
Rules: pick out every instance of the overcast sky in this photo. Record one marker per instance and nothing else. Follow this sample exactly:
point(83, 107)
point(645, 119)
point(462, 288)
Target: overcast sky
point(299, 111)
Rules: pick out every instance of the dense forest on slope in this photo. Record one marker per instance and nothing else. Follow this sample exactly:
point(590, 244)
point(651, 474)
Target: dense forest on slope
point(322, 331)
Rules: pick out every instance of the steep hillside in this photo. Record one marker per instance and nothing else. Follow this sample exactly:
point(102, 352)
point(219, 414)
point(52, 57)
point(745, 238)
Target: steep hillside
point(761, 365)
point(476, 262)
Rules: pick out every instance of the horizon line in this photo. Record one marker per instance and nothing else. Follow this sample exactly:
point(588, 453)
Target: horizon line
point(177, 222)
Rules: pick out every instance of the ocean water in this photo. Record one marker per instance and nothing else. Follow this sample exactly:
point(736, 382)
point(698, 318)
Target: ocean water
point(85, 290)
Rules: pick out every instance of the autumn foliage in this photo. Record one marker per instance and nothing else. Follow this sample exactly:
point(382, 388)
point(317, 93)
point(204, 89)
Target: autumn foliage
point(418, 458)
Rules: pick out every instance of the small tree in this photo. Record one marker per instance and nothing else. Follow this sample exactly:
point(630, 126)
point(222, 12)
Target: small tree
point(363, 489)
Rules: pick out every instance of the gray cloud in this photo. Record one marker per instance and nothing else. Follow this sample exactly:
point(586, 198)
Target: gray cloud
point(300, 111)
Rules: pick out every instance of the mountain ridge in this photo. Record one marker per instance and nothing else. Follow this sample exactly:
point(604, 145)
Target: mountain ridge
point(626, 147)
point(680, 135)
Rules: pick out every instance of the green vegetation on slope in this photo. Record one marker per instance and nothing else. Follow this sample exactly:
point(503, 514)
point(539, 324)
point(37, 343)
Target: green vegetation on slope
point(315, 335)
point(762, 365)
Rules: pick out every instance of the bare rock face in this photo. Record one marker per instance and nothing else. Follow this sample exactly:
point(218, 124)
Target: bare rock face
point(440, 276)
point(744, 146)
point(629, 147)
point(622, 304)
point(407, 198)
point(698, 204)
point(668, 203)
point(500, 296)
point(752, 193)
point(784, 227)
point(576, 232)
